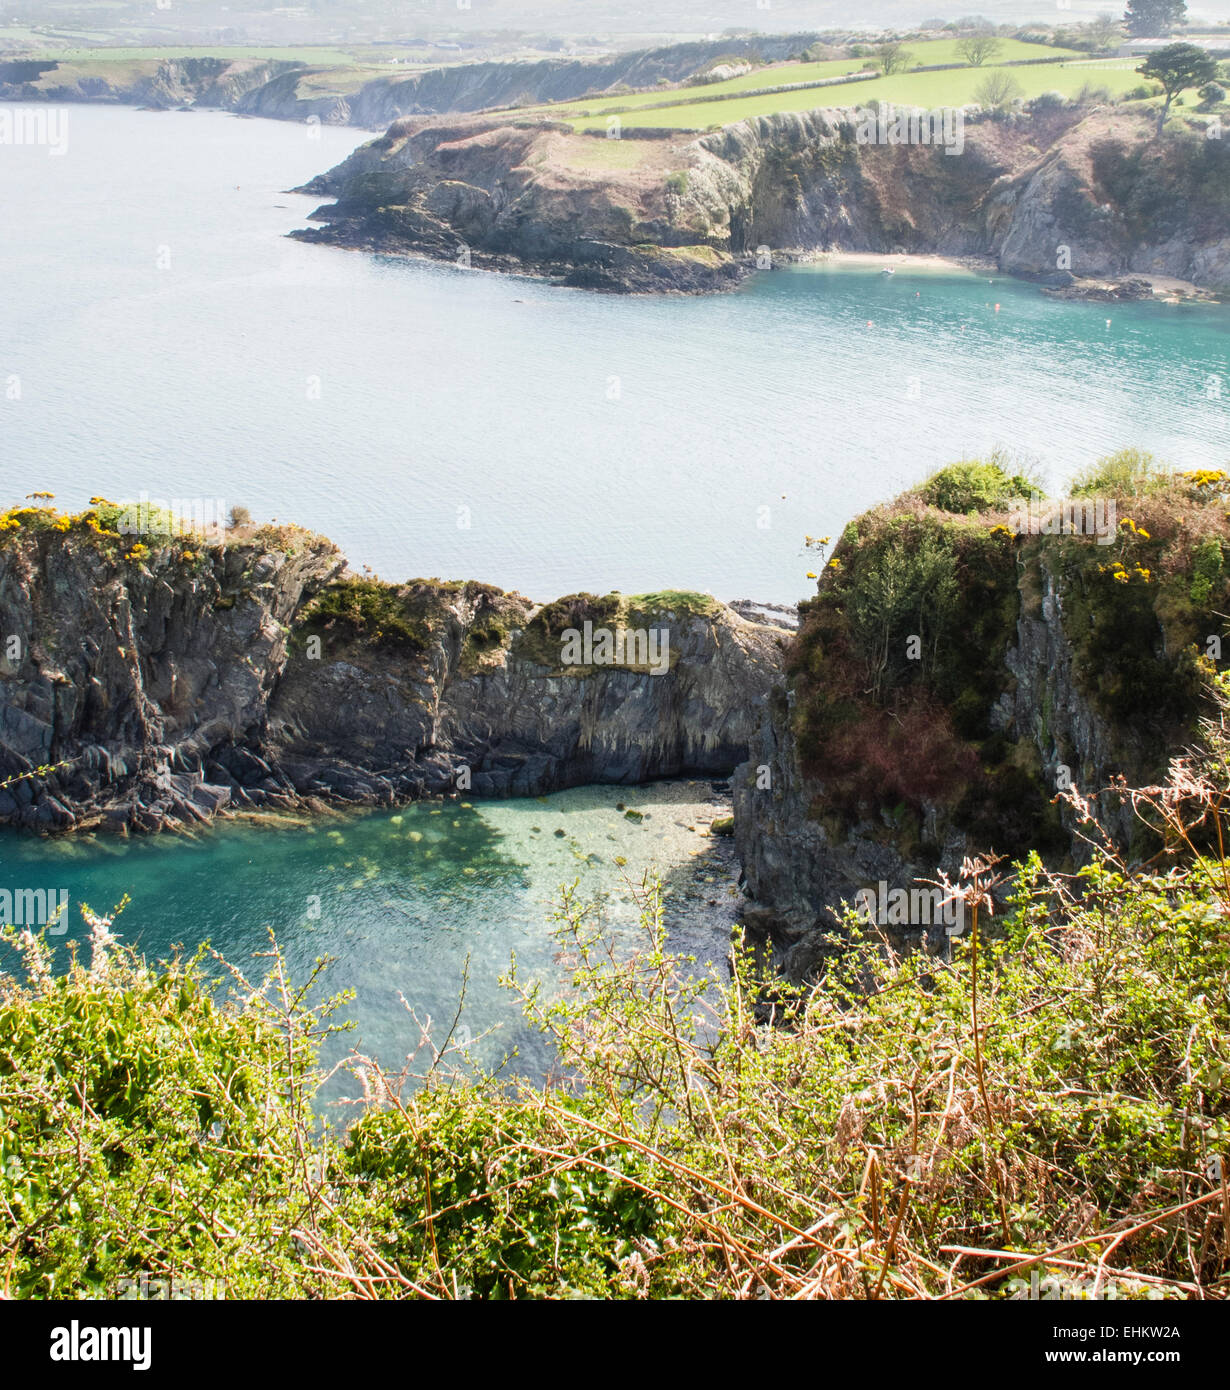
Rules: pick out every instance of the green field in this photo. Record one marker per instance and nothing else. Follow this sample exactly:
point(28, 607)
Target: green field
point(782, 74)
point(926, 89)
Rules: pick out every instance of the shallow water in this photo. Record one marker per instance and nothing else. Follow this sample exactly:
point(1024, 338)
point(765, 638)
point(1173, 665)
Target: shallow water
point(401, 898)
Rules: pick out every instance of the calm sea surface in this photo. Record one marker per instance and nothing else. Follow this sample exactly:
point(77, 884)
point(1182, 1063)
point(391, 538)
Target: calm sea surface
point(433, 421)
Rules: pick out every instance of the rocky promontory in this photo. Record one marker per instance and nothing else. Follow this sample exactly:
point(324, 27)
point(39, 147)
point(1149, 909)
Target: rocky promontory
point(1058, 194)
point(154, 680)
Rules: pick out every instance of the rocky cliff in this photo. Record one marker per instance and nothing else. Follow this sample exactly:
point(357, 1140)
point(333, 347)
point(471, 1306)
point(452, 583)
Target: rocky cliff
point(295, 91)
point(1060, 192)
point(953, 675)
point(161, 679)
point(208, 82)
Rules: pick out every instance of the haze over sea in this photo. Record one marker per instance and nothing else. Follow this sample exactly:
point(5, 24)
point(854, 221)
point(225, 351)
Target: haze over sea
point(169, 339)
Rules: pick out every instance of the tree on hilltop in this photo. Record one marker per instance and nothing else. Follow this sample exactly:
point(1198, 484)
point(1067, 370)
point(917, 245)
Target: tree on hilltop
point(1177, 67)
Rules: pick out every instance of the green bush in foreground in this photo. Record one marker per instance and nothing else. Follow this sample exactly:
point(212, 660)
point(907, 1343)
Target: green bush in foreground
point(1048, 1096)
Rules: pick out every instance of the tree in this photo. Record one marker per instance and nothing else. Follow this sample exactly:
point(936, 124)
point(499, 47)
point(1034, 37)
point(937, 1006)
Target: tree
point(894, 57)
point(1177, 67)
point(978, 48)
point(1151, 19)
point(1211, 94)
point(1105, 31)
point(997, 90)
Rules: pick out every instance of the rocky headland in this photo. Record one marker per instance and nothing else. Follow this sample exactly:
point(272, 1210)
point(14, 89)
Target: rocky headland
point(1064, 195)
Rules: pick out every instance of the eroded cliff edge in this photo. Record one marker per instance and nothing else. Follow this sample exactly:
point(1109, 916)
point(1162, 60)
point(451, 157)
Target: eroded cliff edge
point(163, 679)
point(1059, 192)
point(961, 665)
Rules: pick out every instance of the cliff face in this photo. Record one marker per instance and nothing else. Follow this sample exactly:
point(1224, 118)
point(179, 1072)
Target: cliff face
point(1041, 662)
point(1064, 191)
point(166, 681)
point(1121, 203)
point(132, 672)
point(477, 695)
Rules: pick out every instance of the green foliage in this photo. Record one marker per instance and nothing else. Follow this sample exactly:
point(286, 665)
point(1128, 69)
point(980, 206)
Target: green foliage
point(1128, 473)
point(369, 613)
point(1208, 569)
point(1153, 18)
point(1178, 66)
point(145, 1127)
point(1130, 612)
point(464, 1181)
point(542, 639)
point(898, 660)
point(974, 487)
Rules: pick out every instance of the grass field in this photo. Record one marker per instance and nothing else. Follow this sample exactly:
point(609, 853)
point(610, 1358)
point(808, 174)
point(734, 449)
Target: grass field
point(926, 89)
point(782, 74)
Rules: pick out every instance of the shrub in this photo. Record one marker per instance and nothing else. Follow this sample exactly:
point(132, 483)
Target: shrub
point(1128, 473)
point(367, 612)
point(973, 487)
point(1208, 566)
point(998, 90)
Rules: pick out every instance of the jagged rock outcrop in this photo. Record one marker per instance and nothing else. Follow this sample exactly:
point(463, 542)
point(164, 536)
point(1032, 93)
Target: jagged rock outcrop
point(131, 675)
point(165, 681)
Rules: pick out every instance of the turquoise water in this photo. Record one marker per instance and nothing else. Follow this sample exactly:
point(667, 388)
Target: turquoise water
point(593, 442)
point(400, 899)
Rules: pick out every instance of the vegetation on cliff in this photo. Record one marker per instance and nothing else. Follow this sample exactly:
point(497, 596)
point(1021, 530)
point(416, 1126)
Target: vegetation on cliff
point(900, 662)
